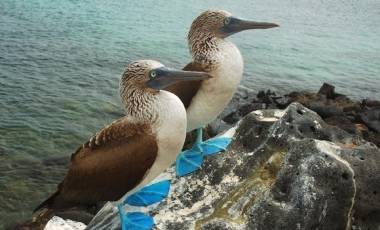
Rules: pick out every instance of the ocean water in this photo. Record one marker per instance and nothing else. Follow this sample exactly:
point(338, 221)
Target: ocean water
point(60, 63)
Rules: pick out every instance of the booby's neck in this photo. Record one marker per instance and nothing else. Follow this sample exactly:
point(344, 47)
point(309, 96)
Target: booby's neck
point(153, 108)
point(140, 106)
point(206, 49)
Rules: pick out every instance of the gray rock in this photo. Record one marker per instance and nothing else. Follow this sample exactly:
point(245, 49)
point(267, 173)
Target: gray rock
point(314, 189)
point(284, 170)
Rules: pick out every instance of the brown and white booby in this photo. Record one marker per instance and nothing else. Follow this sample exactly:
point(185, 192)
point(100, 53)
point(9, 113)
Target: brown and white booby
point(133, 150)
point(205, 100)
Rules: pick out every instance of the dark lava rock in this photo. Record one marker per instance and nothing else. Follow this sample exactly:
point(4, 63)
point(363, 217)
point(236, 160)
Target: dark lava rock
point(336, 109)
point(371, 118)
point(284, 170)
point(343, 123)
point(370, 103)
point(327, 90)
point(324, 110)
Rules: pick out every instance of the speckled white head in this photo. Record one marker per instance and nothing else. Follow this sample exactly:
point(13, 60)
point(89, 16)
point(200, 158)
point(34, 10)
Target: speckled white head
point(221, 23)
point(142, 81)
point(209, 23)
point(209, 30)
point(136, 75)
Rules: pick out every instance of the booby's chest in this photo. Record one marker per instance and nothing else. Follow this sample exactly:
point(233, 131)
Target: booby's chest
point(227, 72)
point(215, 93)
point(170, 132)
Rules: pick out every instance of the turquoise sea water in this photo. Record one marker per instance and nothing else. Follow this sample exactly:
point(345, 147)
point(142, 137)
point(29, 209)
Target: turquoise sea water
point(60, 63)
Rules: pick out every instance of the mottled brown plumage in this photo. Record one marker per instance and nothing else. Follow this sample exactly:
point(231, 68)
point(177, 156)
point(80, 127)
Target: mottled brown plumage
point(113, 162)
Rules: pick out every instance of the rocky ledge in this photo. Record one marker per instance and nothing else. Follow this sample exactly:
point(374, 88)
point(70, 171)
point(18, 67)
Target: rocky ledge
point(285, 169)
point(360, 118)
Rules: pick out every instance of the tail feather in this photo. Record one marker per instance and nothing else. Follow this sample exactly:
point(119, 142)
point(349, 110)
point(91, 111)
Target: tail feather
point(55, 206)
point(48, 202)
point(38, 220)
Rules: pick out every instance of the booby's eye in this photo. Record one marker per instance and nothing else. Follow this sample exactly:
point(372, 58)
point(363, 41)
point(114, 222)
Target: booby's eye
point(227, 21)
point(153, 74)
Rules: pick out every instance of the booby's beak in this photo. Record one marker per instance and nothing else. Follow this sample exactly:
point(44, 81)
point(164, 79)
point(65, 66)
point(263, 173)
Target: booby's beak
point(233, 25)
point(161, 78)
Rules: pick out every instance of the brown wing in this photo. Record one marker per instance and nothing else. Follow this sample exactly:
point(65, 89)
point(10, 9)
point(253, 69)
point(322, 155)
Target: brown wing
point(186, 90)
point(109, 165)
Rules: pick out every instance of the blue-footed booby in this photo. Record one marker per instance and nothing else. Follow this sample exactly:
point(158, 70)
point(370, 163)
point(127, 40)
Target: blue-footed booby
point(205, 100)
point(130, 152)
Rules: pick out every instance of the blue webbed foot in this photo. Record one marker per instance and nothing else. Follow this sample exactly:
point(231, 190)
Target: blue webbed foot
point(135, 220)
point(144, 197)
point(192, 159)
point(215, 145)
point(150, 194)
point(189, 161)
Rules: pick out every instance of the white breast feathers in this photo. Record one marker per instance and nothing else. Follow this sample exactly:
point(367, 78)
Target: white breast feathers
point(215, 93)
